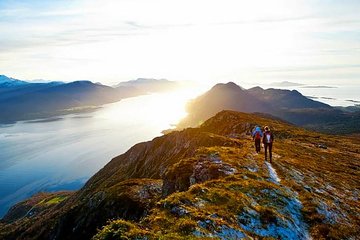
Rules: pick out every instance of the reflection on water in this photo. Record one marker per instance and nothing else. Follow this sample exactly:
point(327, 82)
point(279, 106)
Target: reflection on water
point(49, 155)
point(336, 96)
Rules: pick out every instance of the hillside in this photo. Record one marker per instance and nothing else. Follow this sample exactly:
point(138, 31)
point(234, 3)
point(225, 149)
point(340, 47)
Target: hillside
point(291, 106)
point(208, 182)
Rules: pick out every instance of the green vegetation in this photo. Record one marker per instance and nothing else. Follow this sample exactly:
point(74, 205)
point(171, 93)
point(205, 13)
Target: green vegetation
point(52, 201)
point(120, 229)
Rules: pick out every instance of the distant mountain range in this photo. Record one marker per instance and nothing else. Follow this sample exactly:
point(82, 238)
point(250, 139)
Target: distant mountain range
point(291, 106)
point(150, 84)
point(22, 100)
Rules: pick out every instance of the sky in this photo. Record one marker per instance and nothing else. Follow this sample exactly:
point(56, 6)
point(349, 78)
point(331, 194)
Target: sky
point(210, 41)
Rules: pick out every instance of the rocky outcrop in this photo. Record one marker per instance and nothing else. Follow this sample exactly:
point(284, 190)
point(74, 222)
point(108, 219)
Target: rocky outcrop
point(130, 199)
point(188, 172)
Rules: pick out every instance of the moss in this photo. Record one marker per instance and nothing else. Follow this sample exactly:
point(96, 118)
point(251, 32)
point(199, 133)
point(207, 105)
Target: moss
point(268, 216)
point(55, 200)
point(186, 226)
point(121, 229)
point(219, 202)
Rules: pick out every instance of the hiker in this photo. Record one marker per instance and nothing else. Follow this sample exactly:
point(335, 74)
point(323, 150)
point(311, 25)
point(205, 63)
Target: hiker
point(257, 135)
point(268, 139)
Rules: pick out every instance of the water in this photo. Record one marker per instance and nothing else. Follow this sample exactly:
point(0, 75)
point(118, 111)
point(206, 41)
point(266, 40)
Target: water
point(62, 153)
point(334, 95)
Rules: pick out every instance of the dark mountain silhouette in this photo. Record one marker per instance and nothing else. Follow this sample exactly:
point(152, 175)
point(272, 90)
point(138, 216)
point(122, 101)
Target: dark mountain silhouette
point(291, 106)
point(27, 101)
point(223, 96)
point(208, 182)
point(44, 100)
point(288, 99)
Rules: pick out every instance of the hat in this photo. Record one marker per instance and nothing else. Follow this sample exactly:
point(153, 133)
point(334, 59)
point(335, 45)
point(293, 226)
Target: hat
point(266, 128)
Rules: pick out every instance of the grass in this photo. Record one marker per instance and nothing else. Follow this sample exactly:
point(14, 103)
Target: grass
point(315, 183)
point(221, 201)
point(54, 200)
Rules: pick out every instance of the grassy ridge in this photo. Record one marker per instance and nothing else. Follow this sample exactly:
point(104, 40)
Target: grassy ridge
point(208, 182)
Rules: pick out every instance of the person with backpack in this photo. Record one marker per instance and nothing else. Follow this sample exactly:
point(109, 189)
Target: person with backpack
point(257, 135)
point(268, 139)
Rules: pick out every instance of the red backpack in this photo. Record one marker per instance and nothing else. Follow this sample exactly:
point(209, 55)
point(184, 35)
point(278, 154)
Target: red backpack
point(257, 135)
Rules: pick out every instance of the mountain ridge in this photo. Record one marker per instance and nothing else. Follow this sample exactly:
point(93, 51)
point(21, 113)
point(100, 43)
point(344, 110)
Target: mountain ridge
point(209, 182)
point(29, 101)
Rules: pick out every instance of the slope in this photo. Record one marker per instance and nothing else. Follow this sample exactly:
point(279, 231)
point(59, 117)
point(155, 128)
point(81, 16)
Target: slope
point(208, 182)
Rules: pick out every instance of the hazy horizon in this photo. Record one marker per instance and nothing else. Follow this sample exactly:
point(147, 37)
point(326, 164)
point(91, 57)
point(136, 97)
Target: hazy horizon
point(256, 42)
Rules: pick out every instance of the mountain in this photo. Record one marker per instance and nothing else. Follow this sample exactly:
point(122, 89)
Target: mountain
point(222, 96)
point(291, 106)
point(24, 100)
point(10, 91)
point(44, 100)
point(6, 81)
point(150, 84)
point(208, 182)
point(288, 99)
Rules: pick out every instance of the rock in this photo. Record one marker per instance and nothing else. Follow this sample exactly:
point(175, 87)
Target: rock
point(307, 188)
point(179, 211)
point(195, 170)
point(321, 145)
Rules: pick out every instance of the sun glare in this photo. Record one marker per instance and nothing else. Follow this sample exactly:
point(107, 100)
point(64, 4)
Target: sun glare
point(157, 110)
point(202, 41)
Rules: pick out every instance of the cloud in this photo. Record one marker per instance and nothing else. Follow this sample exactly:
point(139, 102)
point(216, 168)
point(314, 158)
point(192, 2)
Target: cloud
point(178, 38)
point(268, 20)
point(312, 68)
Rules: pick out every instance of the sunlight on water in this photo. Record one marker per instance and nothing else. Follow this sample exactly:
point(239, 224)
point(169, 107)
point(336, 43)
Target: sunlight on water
point(63, 154)
point(156, 110)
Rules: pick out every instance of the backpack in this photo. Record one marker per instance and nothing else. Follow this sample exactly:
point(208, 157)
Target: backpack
point(257, 135)
point(267, 136)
